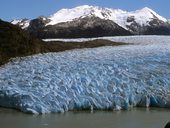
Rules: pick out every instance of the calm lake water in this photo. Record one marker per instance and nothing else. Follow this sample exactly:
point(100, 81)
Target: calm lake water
point(135, 118)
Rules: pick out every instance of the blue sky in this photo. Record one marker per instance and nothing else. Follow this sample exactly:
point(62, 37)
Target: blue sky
point(16, 9)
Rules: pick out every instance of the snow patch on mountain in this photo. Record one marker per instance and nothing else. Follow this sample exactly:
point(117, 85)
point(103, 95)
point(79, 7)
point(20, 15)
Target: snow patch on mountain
point(101, 78)
point(15, 21)
point(24, 23)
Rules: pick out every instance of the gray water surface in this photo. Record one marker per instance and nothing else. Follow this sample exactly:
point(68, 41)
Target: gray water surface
point(135, 118)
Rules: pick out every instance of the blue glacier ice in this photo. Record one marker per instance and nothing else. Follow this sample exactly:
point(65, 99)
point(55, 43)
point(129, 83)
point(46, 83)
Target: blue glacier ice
point(102, 78)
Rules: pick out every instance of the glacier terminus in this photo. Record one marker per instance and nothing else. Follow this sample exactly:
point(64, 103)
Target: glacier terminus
point(104, 78)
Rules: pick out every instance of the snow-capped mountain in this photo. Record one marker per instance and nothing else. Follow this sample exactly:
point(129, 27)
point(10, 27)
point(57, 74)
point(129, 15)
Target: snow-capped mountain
point(122, 18)
point(143, 21)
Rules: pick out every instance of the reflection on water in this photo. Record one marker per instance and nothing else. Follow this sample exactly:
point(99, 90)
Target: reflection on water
point(135, 118)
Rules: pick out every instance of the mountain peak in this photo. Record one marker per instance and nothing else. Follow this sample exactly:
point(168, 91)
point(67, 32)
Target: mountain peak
point(146, 9)
point(65, 15)
point(146, 14)
point(85, 6)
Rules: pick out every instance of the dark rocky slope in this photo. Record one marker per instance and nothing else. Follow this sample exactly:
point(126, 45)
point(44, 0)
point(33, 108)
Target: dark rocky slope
point(16, 42)
point(80, 28)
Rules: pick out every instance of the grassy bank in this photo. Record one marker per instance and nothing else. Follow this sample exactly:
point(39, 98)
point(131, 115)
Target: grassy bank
point(62, 46)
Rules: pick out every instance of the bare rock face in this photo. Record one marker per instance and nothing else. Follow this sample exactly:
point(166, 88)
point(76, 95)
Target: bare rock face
point(167, 125)
point(82, 27)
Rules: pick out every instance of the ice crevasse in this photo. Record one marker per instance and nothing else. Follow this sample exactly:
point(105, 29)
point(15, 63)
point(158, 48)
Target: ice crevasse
point(100, 78)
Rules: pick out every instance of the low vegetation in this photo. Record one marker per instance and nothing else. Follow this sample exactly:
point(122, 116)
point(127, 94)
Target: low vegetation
point(15, 42)
point(62, 46)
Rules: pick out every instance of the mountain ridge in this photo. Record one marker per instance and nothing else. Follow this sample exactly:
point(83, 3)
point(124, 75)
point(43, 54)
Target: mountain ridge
point(140, 22)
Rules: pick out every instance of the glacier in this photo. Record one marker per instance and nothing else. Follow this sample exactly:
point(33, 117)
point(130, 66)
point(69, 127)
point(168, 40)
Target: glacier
point(104, 78)
point(142, 39)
